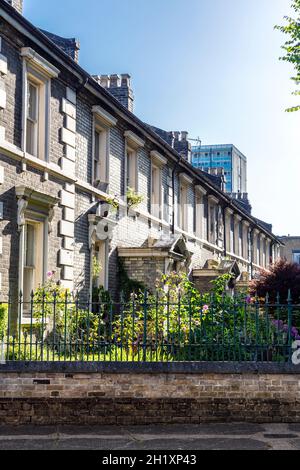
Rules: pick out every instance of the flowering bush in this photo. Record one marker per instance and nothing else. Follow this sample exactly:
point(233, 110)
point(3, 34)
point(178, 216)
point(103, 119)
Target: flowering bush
point(188, 325)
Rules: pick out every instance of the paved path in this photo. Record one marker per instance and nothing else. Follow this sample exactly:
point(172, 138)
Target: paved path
point(175, 437)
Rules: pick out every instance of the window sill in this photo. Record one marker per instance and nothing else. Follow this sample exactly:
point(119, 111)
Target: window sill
point(18, 154)
point(238, 258)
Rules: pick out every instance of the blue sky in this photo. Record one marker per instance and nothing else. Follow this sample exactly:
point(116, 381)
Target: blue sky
point(206, 66)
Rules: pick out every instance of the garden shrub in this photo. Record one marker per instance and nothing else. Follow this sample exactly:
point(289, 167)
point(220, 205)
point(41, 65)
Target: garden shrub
point(3, 320)
point(189, 326)
point(177, 323)
point(281, 278)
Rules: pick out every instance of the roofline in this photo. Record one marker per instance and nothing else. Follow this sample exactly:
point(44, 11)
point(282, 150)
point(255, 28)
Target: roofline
point(19, 22)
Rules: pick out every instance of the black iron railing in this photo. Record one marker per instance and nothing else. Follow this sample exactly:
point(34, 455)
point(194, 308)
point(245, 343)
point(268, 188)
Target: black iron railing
point(148, 329)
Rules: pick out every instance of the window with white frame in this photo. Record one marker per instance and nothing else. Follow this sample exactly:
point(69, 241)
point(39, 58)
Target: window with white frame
point(241, 239)
point(100, 263)
point(183, 212)
point(232, 228)
point(258, 250)
point(198, 215)
point(103, 122)
point(33, 261)
point(158, 196)
point(213, 224)
point(34, 217)
point(156, 191)
point(36, 116)
point(131, 169)
point(264, 261)
point(100, 161)
point(205, 218)
point(32, 123)
point(132, 145)
point(37, 75)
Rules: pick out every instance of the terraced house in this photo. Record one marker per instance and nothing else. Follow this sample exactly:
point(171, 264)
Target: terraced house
point(70, 147)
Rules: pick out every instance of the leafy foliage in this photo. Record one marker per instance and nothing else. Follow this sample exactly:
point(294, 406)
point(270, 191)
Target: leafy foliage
point(3, 319)
point(128, 286)
point(133, 198)
point(292, 45)
point(281, 278)
point(113, 201)
point(189, 326)
point(62, 321)
point(176, 323)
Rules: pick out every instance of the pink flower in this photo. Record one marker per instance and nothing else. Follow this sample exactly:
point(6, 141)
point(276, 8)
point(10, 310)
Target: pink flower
point(205, 308)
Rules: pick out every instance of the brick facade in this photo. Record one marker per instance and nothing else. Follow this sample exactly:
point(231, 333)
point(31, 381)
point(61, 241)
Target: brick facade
point(67, 176)
point(148, 398)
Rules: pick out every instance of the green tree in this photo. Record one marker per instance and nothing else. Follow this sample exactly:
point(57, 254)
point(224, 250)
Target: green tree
point(292, 45)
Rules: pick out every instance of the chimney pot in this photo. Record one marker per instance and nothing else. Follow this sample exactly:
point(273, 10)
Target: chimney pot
point(125, 80)
point(184, 135)
point(17, 4)
point(171, 138)
point(104, 81)
point(115, 81)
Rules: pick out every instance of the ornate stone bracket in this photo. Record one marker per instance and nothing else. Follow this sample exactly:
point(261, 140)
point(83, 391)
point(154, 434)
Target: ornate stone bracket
point(100, 229)
point(92, 231)
point(22, 206)
point(50, 219)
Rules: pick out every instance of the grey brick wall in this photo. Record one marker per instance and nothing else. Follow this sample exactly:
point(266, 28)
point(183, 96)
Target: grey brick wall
point(84, 137)
point(11, 117)
point(56, 150)
point(117, 160)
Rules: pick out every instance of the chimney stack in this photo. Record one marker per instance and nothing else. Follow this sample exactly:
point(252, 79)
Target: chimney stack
point(17, 4)
point(70, 46)
point(182, 145)
point(119, 86)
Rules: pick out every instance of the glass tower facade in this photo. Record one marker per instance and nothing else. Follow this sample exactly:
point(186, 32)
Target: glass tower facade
point(228, 157)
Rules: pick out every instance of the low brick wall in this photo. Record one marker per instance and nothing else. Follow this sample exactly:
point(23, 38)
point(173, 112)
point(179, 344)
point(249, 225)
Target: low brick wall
point(50, 393)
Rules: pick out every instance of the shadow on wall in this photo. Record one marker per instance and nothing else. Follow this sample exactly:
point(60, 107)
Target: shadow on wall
point(15, 92)
point(82, 250)
point(11, 234)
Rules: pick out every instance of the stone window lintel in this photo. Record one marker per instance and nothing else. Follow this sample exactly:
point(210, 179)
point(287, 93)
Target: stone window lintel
point(39, 63)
